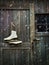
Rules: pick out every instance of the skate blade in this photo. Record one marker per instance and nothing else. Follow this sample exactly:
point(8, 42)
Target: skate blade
point(17, 42)
point(11, 39)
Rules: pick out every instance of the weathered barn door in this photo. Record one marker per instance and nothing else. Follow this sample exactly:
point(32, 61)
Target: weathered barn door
point(20, 18)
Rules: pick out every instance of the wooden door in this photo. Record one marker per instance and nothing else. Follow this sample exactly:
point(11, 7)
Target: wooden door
point(21, 19)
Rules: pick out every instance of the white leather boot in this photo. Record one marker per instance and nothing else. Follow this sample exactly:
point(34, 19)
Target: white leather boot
point(12, 36)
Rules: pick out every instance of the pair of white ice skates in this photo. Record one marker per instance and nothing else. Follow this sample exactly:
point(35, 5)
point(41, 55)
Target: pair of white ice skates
point(11, 37)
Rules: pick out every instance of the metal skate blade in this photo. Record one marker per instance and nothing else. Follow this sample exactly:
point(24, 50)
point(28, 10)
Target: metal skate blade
point(10, 39)
point(15, 42)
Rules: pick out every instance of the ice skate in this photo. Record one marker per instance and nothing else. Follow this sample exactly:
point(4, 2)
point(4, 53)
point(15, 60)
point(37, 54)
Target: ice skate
point(12, 36)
